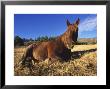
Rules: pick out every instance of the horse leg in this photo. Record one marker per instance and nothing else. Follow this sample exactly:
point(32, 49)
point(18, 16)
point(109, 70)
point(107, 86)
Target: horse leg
point(26, 61)
point(52, 57)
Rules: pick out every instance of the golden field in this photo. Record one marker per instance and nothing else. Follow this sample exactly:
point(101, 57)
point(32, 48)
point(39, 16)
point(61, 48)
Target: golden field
point(83, 63)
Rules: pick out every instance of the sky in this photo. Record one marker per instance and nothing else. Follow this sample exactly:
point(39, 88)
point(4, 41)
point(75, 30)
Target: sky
point(37, 25)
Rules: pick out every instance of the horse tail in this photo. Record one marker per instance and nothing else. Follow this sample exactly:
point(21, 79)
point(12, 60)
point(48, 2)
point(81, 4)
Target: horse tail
point(28, 55)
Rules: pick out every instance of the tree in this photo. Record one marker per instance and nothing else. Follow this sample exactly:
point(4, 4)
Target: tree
point(52, 38)
point(31, 39)
point(18, 41)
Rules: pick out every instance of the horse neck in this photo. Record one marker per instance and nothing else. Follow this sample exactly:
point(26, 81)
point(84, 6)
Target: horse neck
point(62, 39)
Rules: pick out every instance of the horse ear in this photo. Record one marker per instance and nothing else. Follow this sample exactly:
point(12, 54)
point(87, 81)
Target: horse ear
point(68, 23)
point(78, 20)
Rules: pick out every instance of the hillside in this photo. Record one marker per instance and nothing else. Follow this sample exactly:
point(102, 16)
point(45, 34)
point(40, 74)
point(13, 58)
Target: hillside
point(89, 40)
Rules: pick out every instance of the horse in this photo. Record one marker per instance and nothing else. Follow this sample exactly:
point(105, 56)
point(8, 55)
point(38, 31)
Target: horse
point(58, 49)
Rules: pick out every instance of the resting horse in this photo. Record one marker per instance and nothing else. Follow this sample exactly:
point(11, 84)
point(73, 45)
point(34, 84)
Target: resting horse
point(60, 48)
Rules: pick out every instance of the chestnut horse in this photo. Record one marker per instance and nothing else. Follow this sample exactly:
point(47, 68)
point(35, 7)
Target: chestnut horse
point(60, 48)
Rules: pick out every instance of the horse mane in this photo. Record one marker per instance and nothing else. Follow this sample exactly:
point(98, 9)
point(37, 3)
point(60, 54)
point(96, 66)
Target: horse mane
point(62, 38)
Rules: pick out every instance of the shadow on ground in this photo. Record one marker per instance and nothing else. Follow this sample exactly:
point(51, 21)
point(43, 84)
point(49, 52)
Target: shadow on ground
point(79, 54)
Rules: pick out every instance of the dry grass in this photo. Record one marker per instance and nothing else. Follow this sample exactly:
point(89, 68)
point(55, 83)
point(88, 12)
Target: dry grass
point(83, 63)
point(83, 47)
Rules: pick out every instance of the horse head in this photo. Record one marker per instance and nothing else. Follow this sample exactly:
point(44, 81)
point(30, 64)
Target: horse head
point(72, 33)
